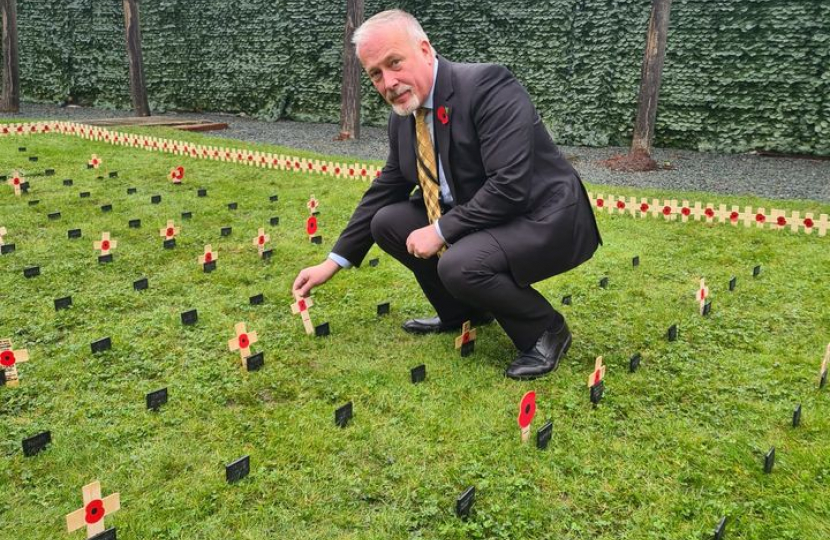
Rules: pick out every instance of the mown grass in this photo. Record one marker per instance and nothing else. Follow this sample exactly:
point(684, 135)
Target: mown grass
point(670, 449)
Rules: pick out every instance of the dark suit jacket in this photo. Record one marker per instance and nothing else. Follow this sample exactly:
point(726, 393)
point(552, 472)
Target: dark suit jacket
point(506, 176)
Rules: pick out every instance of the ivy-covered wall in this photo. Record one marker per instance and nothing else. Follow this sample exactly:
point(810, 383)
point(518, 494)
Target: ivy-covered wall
point(739, 74)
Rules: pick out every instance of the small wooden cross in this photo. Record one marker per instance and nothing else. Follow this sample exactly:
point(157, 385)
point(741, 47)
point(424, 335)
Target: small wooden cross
point(598, 374)
point(312, 205)
point(825, 363)
point(177, 175)
point(467, 334)
point(527, 409)
point(170, 231)
point(243, 341)
point(95, 161)
point(209, 255)
point(311, 227)
point(9, 358)
point(260, 240)
point(822, 224)
point(16, 181)
point(105, 245)
point(702, 295)
point(94, 510)
point(301, 306)
point(3, 232)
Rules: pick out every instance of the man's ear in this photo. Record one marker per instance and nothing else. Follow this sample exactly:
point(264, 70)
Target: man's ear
point(426, 49)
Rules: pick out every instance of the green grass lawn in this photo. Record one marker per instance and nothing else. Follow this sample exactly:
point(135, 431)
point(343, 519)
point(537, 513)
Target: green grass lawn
point(670, 450)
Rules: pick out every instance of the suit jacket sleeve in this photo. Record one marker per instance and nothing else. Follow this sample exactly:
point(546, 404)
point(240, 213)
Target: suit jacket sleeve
point(390, 187)
point(503, 117)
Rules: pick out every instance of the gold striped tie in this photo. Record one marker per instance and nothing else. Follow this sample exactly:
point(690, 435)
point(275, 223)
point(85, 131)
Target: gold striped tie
point(427, 168)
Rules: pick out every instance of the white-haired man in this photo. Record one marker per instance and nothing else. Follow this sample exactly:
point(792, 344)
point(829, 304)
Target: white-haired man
point(498, 207)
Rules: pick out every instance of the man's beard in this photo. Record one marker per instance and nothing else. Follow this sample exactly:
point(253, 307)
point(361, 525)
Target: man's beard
point(407, 108)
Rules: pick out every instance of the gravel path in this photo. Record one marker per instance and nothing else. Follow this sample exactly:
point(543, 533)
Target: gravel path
point(775, 178)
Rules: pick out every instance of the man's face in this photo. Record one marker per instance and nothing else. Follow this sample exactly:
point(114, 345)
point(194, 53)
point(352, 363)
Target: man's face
point(400, 69)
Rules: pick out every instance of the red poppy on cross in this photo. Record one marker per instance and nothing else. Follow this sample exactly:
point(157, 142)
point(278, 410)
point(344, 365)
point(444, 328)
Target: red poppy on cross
point(312, 205)
point(16, 181)
point(260, 240)
point(598, 374)
point(95, 161)
point(301, 306)
point(94, 510)
point(527, 409)
point(9, 358)
point(209, 255)
point(702, 294)
point(243, 341)
point(468, 334)
point(170, 231)
point(311, 226)
point(106, 244)
point(177, 175)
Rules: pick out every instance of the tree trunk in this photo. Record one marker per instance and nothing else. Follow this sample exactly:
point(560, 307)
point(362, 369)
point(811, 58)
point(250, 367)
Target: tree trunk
point(10, 97)
point(658, 27)
point(350, 88)
point(138, 90)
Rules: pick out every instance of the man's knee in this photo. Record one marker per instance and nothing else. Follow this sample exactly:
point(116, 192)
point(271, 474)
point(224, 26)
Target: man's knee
point(454, 273)
point(382, 225)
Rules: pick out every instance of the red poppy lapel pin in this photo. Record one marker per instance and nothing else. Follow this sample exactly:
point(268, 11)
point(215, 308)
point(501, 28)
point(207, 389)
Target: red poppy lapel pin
point(443, 114)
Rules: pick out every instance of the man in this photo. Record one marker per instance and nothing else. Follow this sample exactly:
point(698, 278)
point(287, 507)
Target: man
point(498, 208)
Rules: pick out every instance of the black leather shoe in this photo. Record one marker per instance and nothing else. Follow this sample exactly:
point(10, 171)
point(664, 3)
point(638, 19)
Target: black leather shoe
point(543, 357)
point(434, 324)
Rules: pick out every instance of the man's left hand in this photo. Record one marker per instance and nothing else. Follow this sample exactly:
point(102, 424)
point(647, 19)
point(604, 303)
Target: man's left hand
point(423, 243)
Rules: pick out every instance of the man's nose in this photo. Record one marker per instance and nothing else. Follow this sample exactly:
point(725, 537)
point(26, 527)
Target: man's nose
point(390, 79)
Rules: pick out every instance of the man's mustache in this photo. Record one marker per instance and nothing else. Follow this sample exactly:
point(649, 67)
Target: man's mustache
point(392, 95)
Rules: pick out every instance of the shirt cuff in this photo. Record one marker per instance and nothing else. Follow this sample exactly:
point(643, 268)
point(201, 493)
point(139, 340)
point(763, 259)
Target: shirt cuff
point(438, 230)
point(341, 262)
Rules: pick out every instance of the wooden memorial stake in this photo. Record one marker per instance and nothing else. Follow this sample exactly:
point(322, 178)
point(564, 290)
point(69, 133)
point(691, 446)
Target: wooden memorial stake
point(301, 306)
point(94, 510)
point(9, 358)
point(825, 365)
point(527, 409)
point(822, 225)
point(243, 341)
point(595, 383)
point(313, 206)
point(467, 340)
point(105, 245)
point(176, 175)
point(170, 231)
point(209, 256)
point(702, 295)
point(3, 232)
point(16, 181)
point(311, 229)
point(260, 240)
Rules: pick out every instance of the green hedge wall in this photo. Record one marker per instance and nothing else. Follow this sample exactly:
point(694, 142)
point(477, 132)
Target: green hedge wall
point(739, 74)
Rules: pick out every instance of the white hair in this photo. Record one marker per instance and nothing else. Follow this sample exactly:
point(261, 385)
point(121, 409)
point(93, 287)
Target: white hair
point(395, 17)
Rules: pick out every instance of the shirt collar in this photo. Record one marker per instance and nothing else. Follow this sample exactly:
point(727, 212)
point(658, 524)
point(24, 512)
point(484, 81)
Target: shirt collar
point(427, 104)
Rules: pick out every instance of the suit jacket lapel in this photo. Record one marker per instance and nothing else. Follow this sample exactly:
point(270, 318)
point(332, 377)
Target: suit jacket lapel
point(443, 132)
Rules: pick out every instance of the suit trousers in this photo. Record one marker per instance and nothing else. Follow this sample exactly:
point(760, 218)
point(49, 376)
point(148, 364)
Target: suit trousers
point(470, 278)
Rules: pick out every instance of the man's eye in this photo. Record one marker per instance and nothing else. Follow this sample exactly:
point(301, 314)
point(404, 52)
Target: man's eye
point(396, 63)
point(375, 75)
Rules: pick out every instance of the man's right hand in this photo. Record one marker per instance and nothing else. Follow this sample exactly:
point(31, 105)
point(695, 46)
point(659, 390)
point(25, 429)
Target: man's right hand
point(310, 277)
